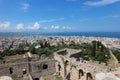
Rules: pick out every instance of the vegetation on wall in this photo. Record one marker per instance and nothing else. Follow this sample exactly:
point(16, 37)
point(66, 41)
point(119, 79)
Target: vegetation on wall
point(117, 54)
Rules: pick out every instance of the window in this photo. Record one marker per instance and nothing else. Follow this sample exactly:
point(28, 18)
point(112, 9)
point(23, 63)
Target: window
point(81, 73)
point(24, 71)
point(11, 70)
point(59, 67)
point(45, 66)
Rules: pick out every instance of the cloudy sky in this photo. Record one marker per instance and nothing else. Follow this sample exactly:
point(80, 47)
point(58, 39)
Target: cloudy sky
point(59, 15)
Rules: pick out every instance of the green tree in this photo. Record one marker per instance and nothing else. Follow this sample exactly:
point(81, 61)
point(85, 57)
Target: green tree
point(33, 50)
point(41, 44)
point(100, 57)
point(46, 44)
point(94, 50)
point(22, 45)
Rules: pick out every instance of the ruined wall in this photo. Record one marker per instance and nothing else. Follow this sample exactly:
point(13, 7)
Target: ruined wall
point(1, 61)
point(39, 69)
point(4, 71)
point(36, 69)
point(20, 60)
point(73, 69)
point(16, 69)
point(74, 74)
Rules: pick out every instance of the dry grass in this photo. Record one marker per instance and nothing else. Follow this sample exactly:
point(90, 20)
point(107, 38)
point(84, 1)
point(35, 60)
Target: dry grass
point(52, 77)
point(13, 57)
point(17, 56)
point(25, 78)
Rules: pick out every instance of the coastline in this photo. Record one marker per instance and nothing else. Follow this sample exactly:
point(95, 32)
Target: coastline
point(86, 34)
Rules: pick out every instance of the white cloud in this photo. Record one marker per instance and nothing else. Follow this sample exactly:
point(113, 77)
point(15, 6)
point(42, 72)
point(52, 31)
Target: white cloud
point(66, 28)
point(35, 26)
point(4, 25)
point(25, 6)
point(51, 20)
point(55, 27)
point(45, 28)
point(100, 2)
point(20, 26)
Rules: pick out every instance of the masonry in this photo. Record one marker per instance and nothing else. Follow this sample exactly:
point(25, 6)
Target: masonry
point(25, 66)
point(67, 63)
point(71, 66)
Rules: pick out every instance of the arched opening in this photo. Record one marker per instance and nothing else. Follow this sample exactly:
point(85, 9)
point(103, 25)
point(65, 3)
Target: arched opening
point(68, 76)
point(66, 62)
point(59, 67)
point(65, 66)
point(36, 79)
point(89, 76)
point(4, 62)
point(81, 73)
point(45, 66)
point(10, 70)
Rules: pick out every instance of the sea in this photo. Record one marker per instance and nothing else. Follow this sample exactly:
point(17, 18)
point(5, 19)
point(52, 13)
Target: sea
point(87, 34)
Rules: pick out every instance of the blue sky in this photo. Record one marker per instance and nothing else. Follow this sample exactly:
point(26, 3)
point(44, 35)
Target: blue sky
point(59, 15)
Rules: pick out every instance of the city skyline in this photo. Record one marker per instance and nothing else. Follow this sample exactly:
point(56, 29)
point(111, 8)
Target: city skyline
point(59, 15)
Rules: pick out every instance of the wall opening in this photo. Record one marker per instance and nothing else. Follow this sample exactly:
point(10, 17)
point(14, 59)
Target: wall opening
point(4, 62)
point(59, 67)
point(77, 55)
point(24, 71)
point(10, 70)
point(45, 66)
point(66, 62)
point(89, 76)
point(81, 73)
point(65, 66)
point(78, 59)
point(64, 52)
point(36, 79)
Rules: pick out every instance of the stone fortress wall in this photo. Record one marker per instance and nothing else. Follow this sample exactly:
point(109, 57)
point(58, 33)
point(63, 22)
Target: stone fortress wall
point(71, 66)
point(25, 66)
point(67, 63)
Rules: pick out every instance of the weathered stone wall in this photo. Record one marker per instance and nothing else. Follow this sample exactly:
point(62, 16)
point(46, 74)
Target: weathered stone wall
point(1, 61)
point(4, 71)
point(70, 70)
point(36, 69)
point(43, 68)
point(18, 60)
point(16, 68)
point(74, 74)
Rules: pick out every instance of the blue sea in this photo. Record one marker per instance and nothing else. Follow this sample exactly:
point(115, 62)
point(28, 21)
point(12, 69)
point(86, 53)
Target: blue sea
point(94, 34)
